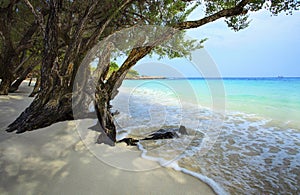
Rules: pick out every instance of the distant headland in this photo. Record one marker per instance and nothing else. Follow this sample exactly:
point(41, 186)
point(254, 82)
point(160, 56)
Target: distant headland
point(145, 77)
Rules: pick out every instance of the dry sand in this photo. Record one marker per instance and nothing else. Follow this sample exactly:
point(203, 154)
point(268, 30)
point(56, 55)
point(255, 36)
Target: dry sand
point(56, 160)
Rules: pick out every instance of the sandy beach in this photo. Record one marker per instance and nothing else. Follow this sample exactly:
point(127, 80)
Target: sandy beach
point(55, 160)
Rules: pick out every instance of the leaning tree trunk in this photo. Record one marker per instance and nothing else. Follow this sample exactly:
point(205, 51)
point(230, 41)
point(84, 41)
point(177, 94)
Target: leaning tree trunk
point(5, 84)
point(15, 86)
point(30, 81)
point(102, 100)
point(53, 103)
point(36, 87)
point(7, 77)
point(43, 111)
point(6, 68)
point(106, 91)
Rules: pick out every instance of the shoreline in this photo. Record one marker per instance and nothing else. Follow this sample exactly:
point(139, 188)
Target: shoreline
point(55, 160)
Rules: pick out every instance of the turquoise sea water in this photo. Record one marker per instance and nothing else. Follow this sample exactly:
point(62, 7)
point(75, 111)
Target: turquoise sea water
point(275, 99)
point(244, 132)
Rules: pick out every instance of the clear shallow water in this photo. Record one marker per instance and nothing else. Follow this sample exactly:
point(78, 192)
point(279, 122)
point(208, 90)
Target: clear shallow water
point(244, 134)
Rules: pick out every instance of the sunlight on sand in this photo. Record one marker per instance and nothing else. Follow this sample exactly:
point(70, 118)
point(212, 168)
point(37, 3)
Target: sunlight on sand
point(56, 160)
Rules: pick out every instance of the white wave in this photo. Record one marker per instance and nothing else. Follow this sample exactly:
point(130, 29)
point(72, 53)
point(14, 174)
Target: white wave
point(173, 164)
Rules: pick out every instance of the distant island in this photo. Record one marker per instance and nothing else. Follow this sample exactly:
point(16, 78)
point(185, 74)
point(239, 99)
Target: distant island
point(131, 75)
point(145, 77)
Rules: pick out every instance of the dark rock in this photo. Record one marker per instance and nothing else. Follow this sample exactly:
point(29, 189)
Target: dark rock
point(162, 134)
point(182, 130)
point(129, 141)
point(168, 133)
point(159, 131)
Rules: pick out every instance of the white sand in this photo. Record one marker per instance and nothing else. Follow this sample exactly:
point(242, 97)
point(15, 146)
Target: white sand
point(55, 160)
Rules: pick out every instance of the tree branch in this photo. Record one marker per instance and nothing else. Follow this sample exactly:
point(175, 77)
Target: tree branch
point(23, 62)
point(98, 32)
point(237, 10)
point(139, 52)
point(24, 43)
point(38, 16)
point(75, 42)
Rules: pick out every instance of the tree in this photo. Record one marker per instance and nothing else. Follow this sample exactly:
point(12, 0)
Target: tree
point(85, 23)
point(17, 40)
point(64, 48)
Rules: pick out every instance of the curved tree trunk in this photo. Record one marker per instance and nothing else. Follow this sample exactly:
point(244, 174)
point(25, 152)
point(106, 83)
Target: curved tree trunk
point(54, 102)
point(6, 82)
point(4, 86)
point(106, 91)
point(102, 100)
point(15, 86)
point(30, 81)
point(42, 113)
point(13, 50)
point(36, 87)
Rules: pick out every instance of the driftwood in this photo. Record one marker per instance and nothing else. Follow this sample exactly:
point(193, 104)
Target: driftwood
point(129, 141)
point(169, 133)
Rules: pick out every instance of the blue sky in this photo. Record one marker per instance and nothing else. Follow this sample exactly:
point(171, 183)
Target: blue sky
point(269, 47)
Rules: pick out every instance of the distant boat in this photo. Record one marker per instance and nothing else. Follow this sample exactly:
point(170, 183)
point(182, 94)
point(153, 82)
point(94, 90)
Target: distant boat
point(280, 76)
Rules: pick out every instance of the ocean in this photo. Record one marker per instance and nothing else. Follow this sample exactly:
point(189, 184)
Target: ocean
point(244, 133)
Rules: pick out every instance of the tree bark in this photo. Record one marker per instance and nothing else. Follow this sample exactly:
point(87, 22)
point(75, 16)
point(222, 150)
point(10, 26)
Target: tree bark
point(102, 100)
point(10, 60)
point(54, 102)
point(36, 87)
point(15, 86)
point(30, 81)
point(41, 113)
point(106, 91)
point(237, 10)
point(7, 71)
point(5, 84)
